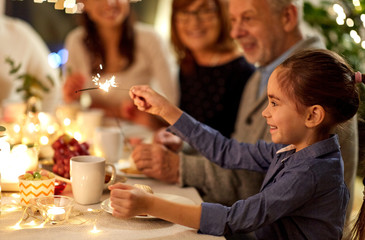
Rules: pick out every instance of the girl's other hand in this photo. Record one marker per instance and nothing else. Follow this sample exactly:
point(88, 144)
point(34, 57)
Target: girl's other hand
point(73, 82)
point(128, 201)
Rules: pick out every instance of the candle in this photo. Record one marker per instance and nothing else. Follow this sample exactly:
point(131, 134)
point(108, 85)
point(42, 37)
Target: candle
point(56, 214)
point(15, 163)
point(55, 209)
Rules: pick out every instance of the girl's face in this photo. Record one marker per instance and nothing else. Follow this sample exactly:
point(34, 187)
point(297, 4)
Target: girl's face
point(287, 125)
point(198, 26)
point(107, 13)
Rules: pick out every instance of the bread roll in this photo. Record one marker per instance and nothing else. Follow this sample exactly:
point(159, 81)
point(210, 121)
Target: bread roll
point(146, 188)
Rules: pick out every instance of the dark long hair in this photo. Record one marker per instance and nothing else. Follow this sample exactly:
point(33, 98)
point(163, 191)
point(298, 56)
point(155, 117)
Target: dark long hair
point(95, 46)
point(224, 42)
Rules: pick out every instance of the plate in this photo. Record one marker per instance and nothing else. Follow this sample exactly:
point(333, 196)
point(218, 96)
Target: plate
point(123, 168)
point(105, 205)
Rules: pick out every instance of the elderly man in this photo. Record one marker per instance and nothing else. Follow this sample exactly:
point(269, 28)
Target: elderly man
point(268, 32)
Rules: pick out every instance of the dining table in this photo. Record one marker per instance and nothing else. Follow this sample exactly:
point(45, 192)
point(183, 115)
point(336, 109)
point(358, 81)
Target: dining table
point(94, 222)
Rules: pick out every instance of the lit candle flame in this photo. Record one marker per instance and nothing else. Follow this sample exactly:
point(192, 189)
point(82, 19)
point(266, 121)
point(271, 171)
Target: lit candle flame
point(95, 230)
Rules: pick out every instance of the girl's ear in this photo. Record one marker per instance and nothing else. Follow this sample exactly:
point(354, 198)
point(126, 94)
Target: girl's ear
point(314, 116)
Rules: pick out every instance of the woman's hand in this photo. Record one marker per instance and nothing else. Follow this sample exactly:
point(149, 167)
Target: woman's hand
point(171, 141)
point(128, 201)
point(149, 101)
point(73, 83)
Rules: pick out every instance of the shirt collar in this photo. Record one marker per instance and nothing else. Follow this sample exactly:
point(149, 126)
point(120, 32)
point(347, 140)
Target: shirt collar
point(315, 150)
point(285, 149)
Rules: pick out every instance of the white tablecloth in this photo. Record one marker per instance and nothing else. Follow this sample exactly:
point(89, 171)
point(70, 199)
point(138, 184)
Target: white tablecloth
point(97, 224)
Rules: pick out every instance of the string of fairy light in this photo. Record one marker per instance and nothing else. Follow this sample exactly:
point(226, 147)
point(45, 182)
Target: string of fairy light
point(342, 19)
point(70, 6)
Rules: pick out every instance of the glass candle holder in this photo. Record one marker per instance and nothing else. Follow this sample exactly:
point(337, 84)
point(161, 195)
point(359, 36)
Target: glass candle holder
point(55, 209)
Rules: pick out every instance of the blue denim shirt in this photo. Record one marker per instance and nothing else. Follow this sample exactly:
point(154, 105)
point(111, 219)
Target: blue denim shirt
point(303, 195)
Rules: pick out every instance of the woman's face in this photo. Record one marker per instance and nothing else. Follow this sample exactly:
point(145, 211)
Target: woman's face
point(198, 26)
point(107, 13)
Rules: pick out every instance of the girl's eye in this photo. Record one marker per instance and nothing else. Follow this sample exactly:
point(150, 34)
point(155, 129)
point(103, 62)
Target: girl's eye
point(273, 103)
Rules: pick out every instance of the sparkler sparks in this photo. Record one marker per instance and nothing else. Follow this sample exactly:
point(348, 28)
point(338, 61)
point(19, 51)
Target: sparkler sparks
point(103, 86)
point(107, 84)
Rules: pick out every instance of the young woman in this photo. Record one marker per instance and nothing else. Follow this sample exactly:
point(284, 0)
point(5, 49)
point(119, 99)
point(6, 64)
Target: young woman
point(213, 71)
point(110, 43)
point(303, 195)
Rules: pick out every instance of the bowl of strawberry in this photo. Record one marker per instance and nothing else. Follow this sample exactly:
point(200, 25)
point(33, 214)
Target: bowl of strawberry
point(66, 147)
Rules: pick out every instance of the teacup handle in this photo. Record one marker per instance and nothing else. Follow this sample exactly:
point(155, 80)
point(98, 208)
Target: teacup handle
point(113, 177)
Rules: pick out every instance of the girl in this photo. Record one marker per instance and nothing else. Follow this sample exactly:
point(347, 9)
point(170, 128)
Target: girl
point(303, 195)
point(130, 51)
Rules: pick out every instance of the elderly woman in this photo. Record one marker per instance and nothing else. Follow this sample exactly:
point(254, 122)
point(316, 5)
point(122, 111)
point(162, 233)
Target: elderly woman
point(213, 71)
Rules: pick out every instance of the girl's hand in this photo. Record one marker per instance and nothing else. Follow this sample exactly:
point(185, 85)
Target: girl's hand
point(128, 201)
point(73, 83)
point(149, 101)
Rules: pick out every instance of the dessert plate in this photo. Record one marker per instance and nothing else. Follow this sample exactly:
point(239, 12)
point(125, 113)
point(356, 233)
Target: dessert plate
point(105, 205)
point(123, 168)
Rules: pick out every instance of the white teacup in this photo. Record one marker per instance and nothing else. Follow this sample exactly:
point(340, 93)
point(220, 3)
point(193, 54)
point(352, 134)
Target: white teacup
point(108, 143)
point(88, 178)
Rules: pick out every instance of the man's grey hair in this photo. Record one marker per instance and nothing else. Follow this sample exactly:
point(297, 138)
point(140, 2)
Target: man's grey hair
point(279, 5)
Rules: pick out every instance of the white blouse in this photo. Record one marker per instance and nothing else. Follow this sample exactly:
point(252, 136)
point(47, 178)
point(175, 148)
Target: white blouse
point(154, 65)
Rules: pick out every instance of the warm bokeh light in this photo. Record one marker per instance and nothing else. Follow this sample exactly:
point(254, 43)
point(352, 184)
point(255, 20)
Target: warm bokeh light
point(67, 122)
point(44, 140)
point(349, 22)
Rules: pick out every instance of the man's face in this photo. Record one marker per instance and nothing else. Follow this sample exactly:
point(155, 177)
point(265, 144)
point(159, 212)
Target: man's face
point(258, 29)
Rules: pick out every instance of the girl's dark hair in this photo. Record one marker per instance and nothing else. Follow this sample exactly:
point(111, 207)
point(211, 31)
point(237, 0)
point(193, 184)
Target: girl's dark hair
point(321, 77)
point(96, 49)
point(224, 42)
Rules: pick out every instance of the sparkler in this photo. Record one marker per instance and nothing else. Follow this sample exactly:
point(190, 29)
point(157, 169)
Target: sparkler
point(109, 83)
